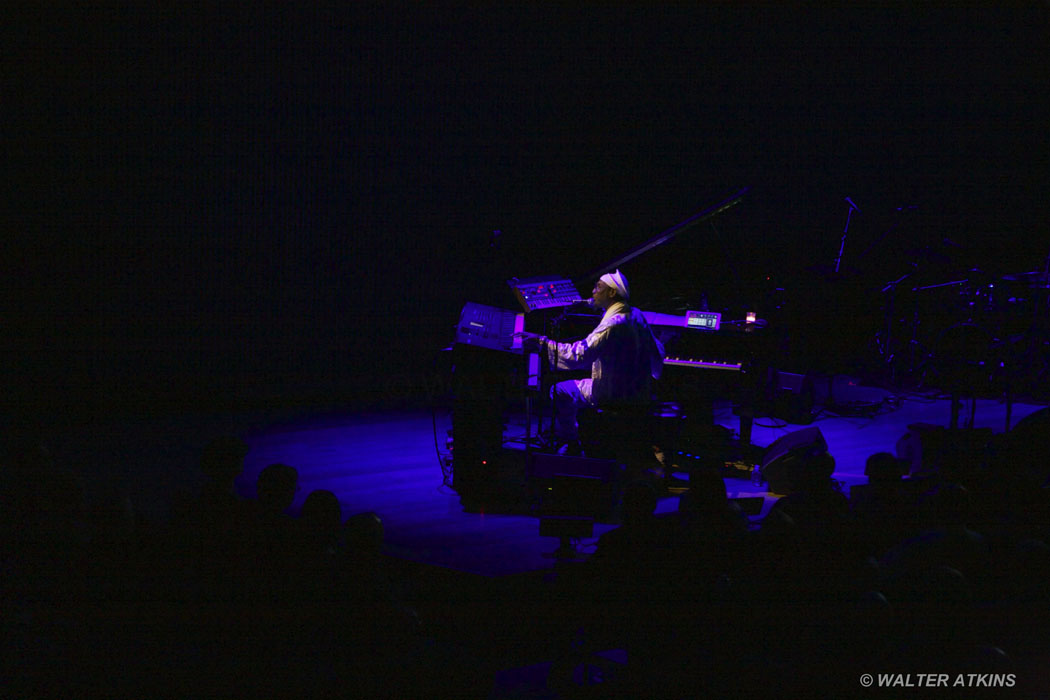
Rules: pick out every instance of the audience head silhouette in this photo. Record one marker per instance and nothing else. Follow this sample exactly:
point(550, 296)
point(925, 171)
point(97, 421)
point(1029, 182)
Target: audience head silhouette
point(321, 515)
point(364, 534)
point(223, 459)
point(276, 487)
point(883, 467)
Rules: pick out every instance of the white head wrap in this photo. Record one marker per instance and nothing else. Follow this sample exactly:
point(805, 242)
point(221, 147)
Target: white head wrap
point(617, 281)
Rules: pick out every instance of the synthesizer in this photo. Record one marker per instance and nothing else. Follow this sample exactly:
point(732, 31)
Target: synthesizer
point(539, 293)
point(697, 341)
point(490, 327)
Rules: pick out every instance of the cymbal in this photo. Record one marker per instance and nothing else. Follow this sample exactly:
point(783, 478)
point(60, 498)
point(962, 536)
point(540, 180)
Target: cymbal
point(1020, 276)
point(1037, 279)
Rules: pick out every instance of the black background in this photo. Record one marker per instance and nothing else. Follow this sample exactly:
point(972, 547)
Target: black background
point(266, 203)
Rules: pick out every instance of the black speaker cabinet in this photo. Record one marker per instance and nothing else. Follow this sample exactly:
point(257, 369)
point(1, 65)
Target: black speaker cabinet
point(483, 382)
point(573, 486)
point(796, 458)
point(1027, 445)
point(1031, 435)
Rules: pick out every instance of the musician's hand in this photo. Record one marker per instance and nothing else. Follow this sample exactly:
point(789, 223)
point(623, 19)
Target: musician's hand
point(531, 342)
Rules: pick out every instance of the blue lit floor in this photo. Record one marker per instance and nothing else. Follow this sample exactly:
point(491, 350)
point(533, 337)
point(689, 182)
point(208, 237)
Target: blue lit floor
point(386, 462)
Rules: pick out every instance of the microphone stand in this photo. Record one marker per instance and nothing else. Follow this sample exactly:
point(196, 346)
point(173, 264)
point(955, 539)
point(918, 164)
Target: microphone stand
point(1046, 283)
point(842, 246)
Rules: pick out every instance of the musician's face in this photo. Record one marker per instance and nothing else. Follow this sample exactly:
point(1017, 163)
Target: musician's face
point(603, 295)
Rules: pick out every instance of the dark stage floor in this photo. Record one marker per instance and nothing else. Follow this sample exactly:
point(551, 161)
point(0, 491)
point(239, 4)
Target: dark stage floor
point(386, 462)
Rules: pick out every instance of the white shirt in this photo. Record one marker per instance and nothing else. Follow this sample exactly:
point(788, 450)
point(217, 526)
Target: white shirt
point(623, 353)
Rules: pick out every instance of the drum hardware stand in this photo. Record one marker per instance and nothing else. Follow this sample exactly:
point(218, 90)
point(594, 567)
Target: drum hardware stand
point(886, 343)
point(842, 246)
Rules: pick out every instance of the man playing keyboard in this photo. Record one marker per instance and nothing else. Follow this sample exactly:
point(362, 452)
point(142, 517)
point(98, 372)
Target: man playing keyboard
point(622, 352)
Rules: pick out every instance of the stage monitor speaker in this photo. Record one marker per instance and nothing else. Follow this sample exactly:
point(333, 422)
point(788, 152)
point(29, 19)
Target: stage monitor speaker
point(792, 398)
point(1028, 443)
point(796, 458)
point(1032, 431)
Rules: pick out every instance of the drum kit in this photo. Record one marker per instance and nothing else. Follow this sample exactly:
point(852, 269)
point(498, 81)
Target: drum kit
point(973, 329)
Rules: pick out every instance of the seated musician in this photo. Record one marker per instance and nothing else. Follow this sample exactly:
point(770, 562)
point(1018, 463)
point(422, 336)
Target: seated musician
point(623, 354)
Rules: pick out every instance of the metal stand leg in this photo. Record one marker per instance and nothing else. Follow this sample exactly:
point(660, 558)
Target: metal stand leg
point(1009, 409)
